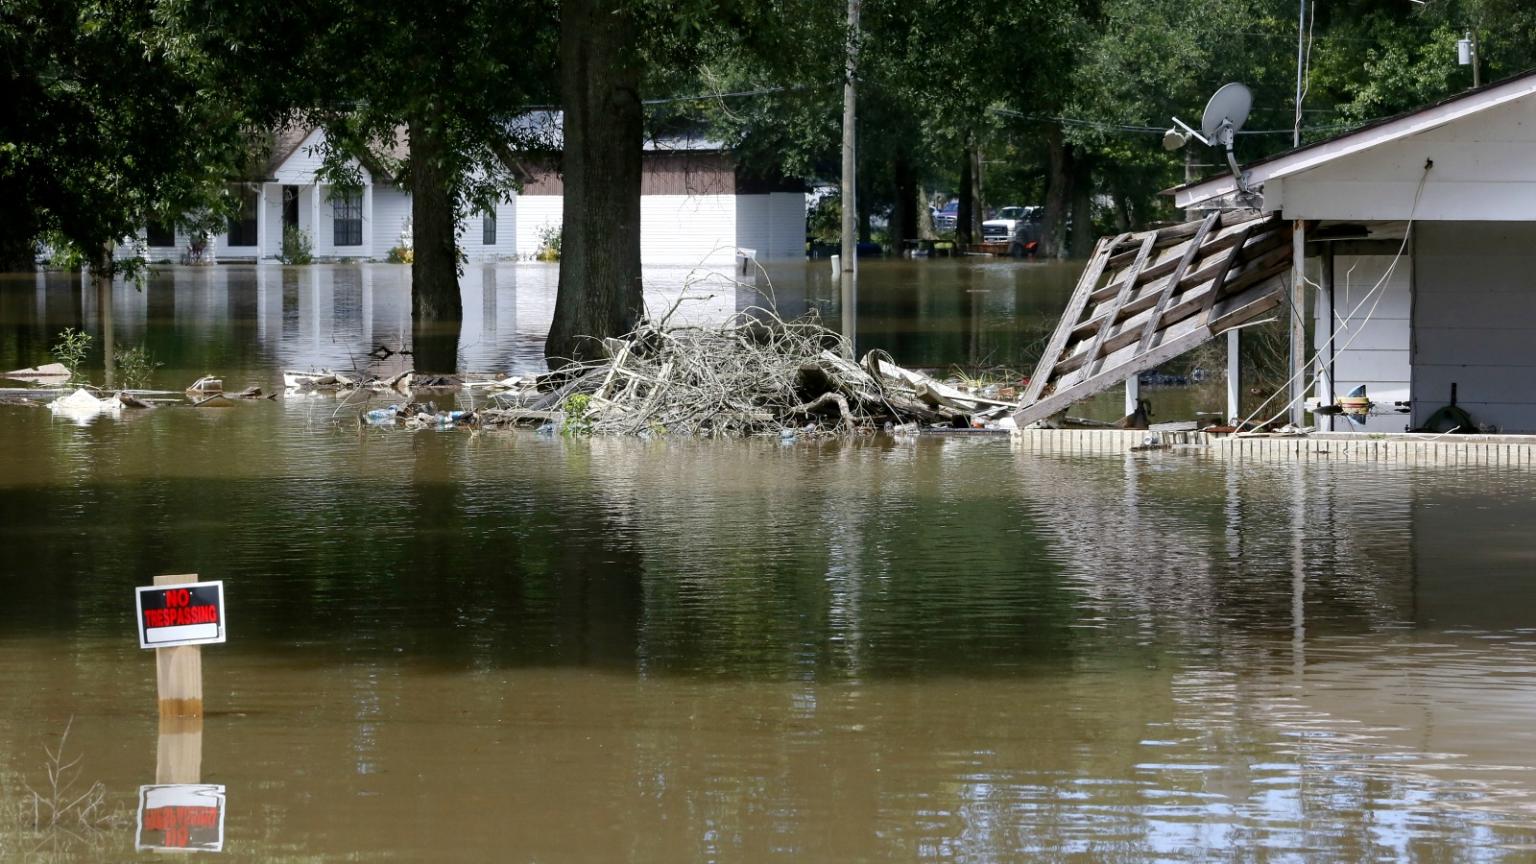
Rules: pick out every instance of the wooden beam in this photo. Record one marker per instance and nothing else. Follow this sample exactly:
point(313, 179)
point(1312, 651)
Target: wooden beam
point(1178, 274)
point(1125, 292)
point(179, 670)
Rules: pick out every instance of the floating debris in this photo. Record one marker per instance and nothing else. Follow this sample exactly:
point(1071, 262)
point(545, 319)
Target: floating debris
point(82, 407)
point(41, 374)
point(754, 375)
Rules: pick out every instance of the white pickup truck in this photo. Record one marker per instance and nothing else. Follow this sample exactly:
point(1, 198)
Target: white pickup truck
point(1000, 228)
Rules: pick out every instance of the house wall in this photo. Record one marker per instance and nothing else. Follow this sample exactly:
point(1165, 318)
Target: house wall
point(1475, 321)
point(1372, 343)
point(691, 230)
point(772, 224)
point(534, 213)
point(471, 235)
point(391, 212)
point(1482, 170)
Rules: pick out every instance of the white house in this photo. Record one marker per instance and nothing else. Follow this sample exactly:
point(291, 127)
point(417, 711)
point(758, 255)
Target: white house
point(1419, 239)
point(695, 210)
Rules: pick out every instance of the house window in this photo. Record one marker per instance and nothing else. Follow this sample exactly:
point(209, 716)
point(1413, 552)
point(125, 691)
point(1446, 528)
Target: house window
point(347, 218)
point(488, 229)
point(242, 225)
point(158, 233)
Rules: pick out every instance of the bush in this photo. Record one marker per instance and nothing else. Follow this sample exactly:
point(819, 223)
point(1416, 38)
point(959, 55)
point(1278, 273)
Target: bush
point(297, 248)
point(71, 349)
point(549, 243)
point(134, 366)
point(400, 255)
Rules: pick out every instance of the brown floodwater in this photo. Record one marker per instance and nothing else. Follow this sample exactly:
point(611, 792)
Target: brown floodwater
point(460, 647)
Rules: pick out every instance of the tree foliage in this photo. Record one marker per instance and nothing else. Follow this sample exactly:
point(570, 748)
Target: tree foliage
point(106, 122)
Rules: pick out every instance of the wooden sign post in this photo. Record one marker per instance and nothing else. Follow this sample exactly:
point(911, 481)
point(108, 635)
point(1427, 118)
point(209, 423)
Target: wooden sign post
point(176, 622)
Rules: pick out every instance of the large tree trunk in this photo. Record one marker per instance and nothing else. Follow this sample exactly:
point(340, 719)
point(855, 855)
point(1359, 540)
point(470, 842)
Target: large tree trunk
point(1083, 234)
point(437, 310)
point(600, 293)
point(1053, 231)
point(964, 223)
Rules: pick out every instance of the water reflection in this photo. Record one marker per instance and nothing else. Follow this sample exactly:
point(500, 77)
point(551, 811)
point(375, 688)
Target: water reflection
point(472, 647)
point(243, 320)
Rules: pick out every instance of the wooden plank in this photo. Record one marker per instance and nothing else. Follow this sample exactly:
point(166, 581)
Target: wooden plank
point(1178, 275)
point(1257, 244)
point(179, 670)
point(1125, 292)
point(1224, 237)
point(1191, 333)
point(1220, 281)
point(1171, 236)
point(1075, 308)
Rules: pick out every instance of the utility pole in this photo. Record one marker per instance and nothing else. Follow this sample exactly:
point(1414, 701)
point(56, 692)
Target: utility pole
point(1298, 304)
point(849, 276)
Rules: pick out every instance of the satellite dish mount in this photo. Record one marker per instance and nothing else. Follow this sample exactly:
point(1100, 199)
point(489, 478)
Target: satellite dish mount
point(1224, 115)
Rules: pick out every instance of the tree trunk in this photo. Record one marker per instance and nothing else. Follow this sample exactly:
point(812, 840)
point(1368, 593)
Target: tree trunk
point(1053, 231)
point(1083, 233)
point(904, 206)
point(924, 215)
point(1122, 212)
point(978, 201)
point(599, 293)
point(101, 271)
point(963, 223)
point(437, 311)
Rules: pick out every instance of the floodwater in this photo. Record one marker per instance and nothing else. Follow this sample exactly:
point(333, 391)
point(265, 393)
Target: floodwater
point(503, 647)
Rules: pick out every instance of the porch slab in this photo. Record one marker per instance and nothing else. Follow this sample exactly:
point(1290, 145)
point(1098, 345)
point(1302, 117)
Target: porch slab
point(1517, 451)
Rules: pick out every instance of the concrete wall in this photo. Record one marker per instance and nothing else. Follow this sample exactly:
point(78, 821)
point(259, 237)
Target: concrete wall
point(1475, 321)
point(1372, 343)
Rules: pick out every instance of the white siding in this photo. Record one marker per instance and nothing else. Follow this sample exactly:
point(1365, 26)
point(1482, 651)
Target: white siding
point(391, 210)
point(690, 230)
point(1475, 322)
point(1482, 170)
point(471, 235)
point(772, 225)
point(301, 165)
point(533, 214)
point(1372, 352)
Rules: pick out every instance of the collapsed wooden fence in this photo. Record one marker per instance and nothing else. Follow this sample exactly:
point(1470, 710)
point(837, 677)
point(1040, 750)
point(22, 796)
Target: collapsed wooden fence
point(1146, 298)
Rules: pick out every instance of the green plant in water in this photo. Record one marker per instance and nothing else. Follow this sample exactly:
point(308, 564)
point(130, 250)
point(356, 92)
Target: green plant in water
point(71, 349)
point(297, 248)
point(401, 255)
point(575, 408)
point(549, 243)
point(134, 366)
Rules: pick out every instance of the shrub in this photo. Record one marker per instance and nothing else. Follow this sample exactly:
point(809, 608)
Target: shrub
point(549, 243)
point(297, 248)
point(134, 366)
point(71, 349)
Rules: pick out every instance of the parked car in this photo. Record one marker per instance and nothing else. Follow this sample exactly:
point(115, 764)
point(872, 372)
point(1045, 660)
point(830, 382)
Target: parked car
point(999, 229)
point(947, 217)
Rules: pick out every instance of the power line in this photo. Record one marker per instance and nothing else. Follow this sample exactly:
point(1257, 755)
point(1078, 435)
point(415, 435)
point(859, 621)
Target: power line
point(1149, 130)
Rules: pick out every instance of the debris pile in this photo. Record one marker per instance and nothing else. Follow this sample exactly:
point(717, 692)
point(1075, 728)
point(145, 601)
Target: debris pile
point(756, 374)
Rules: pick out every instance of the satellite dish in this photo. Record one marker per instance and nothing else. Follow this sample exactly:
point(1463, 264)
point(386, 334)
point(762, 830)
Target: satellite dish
point(1226, 113)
